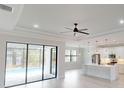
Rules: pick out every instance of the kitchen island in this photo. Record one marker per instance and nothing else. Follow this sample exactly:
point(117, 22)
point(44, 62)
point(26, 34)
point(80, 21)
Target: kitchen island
point(109, 72)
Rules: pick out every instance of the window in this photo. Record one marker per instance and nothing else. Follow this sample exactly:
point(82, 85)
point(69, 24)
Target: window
point(70, 55)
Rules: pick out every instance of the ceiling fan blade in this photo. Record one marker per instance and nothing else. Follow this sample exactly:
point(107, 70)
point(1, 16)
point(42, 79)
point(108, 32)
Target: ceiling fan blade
point(83, 29)
point(83, 32)
point(68, 28)
point(66, 32)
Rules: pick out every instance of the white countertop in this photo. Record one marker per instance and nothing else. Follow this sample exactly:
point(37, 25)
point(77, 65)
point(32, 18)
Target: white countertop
point(109, 72)
point(104, 65)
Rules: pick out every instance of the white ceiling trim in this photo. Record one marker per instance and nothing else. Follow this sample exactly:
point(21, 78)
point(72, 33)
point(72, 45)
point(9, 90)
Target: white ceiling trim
point(22, 33)
point(19, 14)
point(91, 36)
point(110, 45)
point(39, 33)
point(43, 32)
point(107, 33)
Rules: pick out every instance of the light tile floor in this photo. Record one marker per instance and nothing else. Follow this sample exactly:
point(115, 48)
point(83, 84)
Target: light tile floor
point(75, 79)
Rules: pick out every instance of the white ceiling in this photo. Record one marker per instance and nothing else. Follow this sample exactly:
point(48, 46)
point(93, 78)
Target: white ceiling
point(53, 18)
point(101, 20)
point(8, 20)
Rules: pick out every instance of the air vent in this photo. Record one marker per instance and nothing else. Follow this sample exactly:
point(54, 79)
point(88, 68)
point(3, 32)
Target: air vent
point(6, 8)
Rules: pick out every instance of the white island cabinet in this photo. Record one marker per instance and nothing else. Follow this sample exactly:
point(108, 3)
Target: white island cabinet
point(109, 72)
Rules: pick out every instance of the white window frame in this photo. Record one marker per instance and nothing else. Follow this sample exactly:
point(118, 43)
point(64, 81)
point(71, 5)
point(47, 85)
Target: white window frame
point(71, 55)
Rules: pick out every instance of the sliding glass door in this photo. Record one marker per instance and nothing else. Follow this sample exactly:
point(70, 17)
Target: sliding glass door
point(49, 62)
point(26, 63)
point(35, 60)
point(54, 61)
point(15, 64)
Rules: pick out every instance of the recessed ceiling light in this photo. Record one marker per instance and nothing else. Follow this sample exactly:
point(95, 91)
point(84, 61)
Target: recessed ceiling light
point(121, 21)
point(35, 26)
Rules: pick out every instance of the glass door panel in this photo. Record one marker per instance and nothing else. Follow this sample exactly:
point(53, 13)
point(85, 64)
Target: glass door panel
point(35, 58)
point(49, 62)
point(53, 61)
point(15, 64)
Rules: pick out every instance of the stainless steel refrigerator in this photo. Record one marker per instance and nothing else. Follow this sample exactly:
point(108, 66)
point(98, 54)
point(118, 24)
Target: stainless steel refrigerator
point(96, 59)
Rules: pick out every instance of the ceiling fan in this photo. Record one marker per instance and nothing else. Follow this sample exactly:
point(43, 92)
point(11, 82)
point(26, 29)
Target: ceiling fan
point(76, 30)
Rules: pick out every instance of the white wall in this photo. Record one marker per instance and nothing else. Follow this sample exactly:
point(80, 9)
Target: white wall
point(25, 38)
point(78, 63)
point(87, 55)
